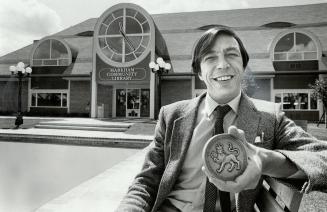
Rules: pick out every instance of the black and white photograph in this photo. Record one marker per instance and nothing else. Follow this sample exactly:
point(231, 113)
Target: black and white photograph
point(163, 106)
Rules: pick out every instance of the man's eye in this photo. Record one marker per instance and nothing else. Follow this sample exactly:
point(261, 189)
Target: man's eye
point(233, 54)
point(210, 58)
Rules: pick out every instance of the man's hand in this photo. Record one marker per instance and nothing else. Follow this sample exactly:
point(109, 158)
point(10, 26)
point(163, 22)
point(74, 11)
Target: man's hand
point(251, 175)
point(260, 162)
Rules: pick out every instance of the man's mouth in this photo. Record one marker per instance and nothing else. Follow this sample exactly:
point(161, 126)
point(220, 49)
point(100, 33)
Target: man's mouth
point(223, 78)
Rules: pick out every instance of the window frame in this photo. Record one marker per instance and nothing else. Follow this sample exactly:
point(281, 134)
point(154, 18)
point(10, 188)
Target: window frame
point(297, 91)
point(49, 91)
point(288, 53)
point(60, 61)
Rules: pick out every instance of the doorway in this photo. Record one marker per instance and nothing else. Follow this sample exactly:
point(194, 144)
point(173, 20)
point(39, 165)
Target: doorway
point(132, 103)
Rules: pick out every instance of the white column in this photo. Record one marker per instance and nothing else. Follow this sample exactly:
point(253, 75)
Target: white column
point(152, 94)
point(68, 97)
point(94, 93)
point(272, 92)
point(114, 102)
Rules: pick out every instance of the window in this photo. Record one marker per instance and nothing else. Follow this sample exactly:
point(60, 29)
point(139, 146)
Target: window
point(295, 46)
point(53, 99)
point(294, 100)
point(51, 53)
point(124, 36)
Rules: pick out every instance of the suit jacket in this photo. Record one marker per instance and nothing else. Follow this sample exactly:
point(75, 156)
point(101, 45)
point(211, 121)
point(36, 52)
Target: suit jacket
point(173, 134)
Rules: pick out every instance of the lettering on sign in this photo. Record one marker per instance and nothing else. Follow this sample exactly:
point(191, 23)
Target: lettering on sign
point(122, 74)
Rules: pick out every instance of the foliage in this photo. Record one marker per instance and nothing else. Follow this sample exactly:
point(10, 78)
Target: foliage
point(320, 91)
point(249, 84)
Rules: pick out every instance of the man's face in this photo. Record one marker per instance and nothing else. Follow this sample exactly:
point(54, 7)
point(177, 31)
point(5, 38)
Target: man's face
point(222, 69)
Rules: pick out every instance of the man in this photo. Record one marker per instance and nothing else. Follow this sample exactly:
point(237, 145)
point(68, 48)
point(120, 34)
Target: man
point(173, 177)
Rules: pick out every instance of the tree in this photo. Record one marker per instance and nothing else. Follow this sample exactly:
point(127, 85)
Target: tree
point(320, 92)
point(249, 85)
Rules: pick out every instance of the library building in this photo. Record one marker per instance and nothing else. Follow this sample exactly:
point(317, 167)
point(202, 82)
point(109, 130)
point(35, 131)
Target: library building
point(128, 63)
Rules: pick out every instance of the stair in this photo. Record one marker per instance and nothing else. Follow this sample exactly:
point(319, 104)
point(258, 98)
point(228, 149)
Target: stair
point(109, 127)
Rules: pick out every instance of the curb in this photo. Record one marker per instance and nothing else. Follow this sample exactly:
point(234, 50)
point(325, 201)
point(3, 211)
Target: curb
point(75, 140)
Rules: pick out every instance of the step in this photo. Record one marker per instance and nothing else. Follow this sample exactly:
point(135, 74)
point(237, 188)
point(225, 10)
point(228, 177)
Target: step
point(89, 128)
point(104, 125)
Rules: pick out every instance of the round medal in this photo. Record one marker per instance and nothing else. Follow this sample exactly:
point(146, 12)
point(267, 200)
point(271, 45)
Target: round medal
point(224, 157)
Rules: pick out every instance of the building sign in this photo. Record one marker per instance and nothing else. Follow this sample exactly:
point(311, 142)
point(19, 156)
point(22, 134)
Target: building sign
point(122, 74)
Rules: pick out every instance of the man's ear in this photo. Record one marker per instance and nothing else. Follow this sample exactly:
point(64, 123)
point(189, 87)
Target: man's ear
point(200, 76)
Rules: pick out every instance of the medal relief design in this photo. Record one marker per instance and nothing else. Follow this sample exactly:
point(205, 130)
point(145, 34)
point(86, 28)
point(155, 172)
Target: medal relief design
point(222, 158)
point(225, 157)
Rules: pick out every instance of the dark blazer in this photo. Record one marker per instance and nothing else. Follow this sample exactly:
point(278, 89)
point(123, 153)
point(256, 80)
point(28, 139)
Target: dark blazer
point(173, 134)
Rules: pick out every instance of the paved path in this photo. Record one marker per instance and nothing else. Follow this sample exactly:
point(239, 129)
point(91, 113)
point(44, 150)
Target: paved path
point(101, 193)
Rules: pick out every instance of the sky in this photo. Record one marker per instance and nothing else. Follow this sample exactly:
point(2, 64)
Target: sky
point(22, 21)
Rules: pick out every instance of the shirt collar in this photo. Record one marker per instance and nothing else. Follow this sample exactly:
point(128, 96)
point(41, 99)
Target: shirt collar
point(210, 104)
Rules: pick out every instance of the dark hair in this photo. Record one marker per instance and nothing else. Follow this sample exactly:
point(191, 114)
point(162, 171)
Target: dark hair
point(206, 42)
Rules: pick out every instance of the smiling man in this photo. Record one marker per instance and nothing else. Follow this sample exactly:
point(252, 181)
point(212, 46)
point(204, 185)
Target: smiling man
point(225, 56)
point(173, 177)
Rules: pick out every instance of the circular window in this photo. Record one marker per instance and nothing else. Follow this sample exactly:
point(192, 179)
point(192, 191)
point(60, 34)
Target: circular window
point(51, 52)
point(123, 36)
point(295, 46)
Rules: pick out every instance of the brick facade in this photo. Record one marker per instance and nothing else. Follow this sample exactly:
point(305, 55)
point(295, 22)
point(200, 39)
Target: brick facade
point(9, 96)
point(105, 97)
point(80, 97)
point(175, 90)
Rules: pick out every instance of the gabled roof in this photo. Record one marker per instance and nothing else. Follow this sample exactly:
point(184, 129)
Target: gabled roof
point(12, 58)
point(84, 26)
point(18, 55)
point(301, 14)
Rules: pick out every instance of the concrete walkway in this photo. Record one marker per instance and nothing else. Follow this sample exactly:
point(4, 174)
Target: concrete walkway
point(102, 193)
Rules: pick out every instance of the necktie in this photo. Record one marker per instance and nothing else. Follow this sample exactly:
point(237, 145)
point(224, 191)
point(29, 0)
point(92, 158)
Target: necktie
point(211, 190)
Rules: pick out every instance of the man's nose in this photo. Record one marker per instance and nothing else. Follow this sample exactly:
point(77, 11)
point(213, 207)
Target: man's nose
point(222, 63)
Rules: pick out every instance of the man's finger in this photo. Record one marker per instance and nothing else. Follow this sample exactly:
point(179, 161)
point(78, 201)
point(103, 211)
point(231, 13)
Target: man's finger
point(220, 184)
point(237, 132)
point(206, 172)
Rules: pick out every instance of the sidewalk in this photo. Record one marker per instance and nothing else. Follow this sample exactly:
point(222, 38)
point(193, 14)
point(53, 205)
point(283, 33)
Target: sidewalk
point(138, 135)
point(319, 132)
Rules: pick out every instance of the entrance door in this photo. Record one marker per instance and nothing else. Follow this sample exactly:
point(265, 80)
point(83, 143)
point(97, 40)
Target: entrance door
point(145, 102)
point(132, 103)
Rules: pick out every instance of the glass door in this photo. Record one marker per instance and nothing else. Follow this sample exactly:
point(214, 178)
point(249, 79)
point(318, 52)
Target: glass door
point(120, 102)
point(145, 102)
point(133, 103)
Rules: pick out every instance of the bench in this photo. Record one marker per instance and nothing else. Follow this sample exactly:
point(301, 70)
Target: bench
point(277, 197)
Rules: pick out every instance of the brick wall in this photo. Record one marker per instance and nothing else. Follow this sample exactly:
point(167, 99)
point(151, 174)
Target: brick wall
point(9, 95)
point(80, 97)
point(262, 91)
point(175, 90)
point(105, 97)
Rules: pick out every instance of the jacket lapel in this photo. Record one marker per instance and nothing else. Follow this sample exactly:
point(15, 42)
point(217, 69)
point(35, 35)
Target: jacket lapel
point(183, 130)
point(248, 118)
point(180, 140)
